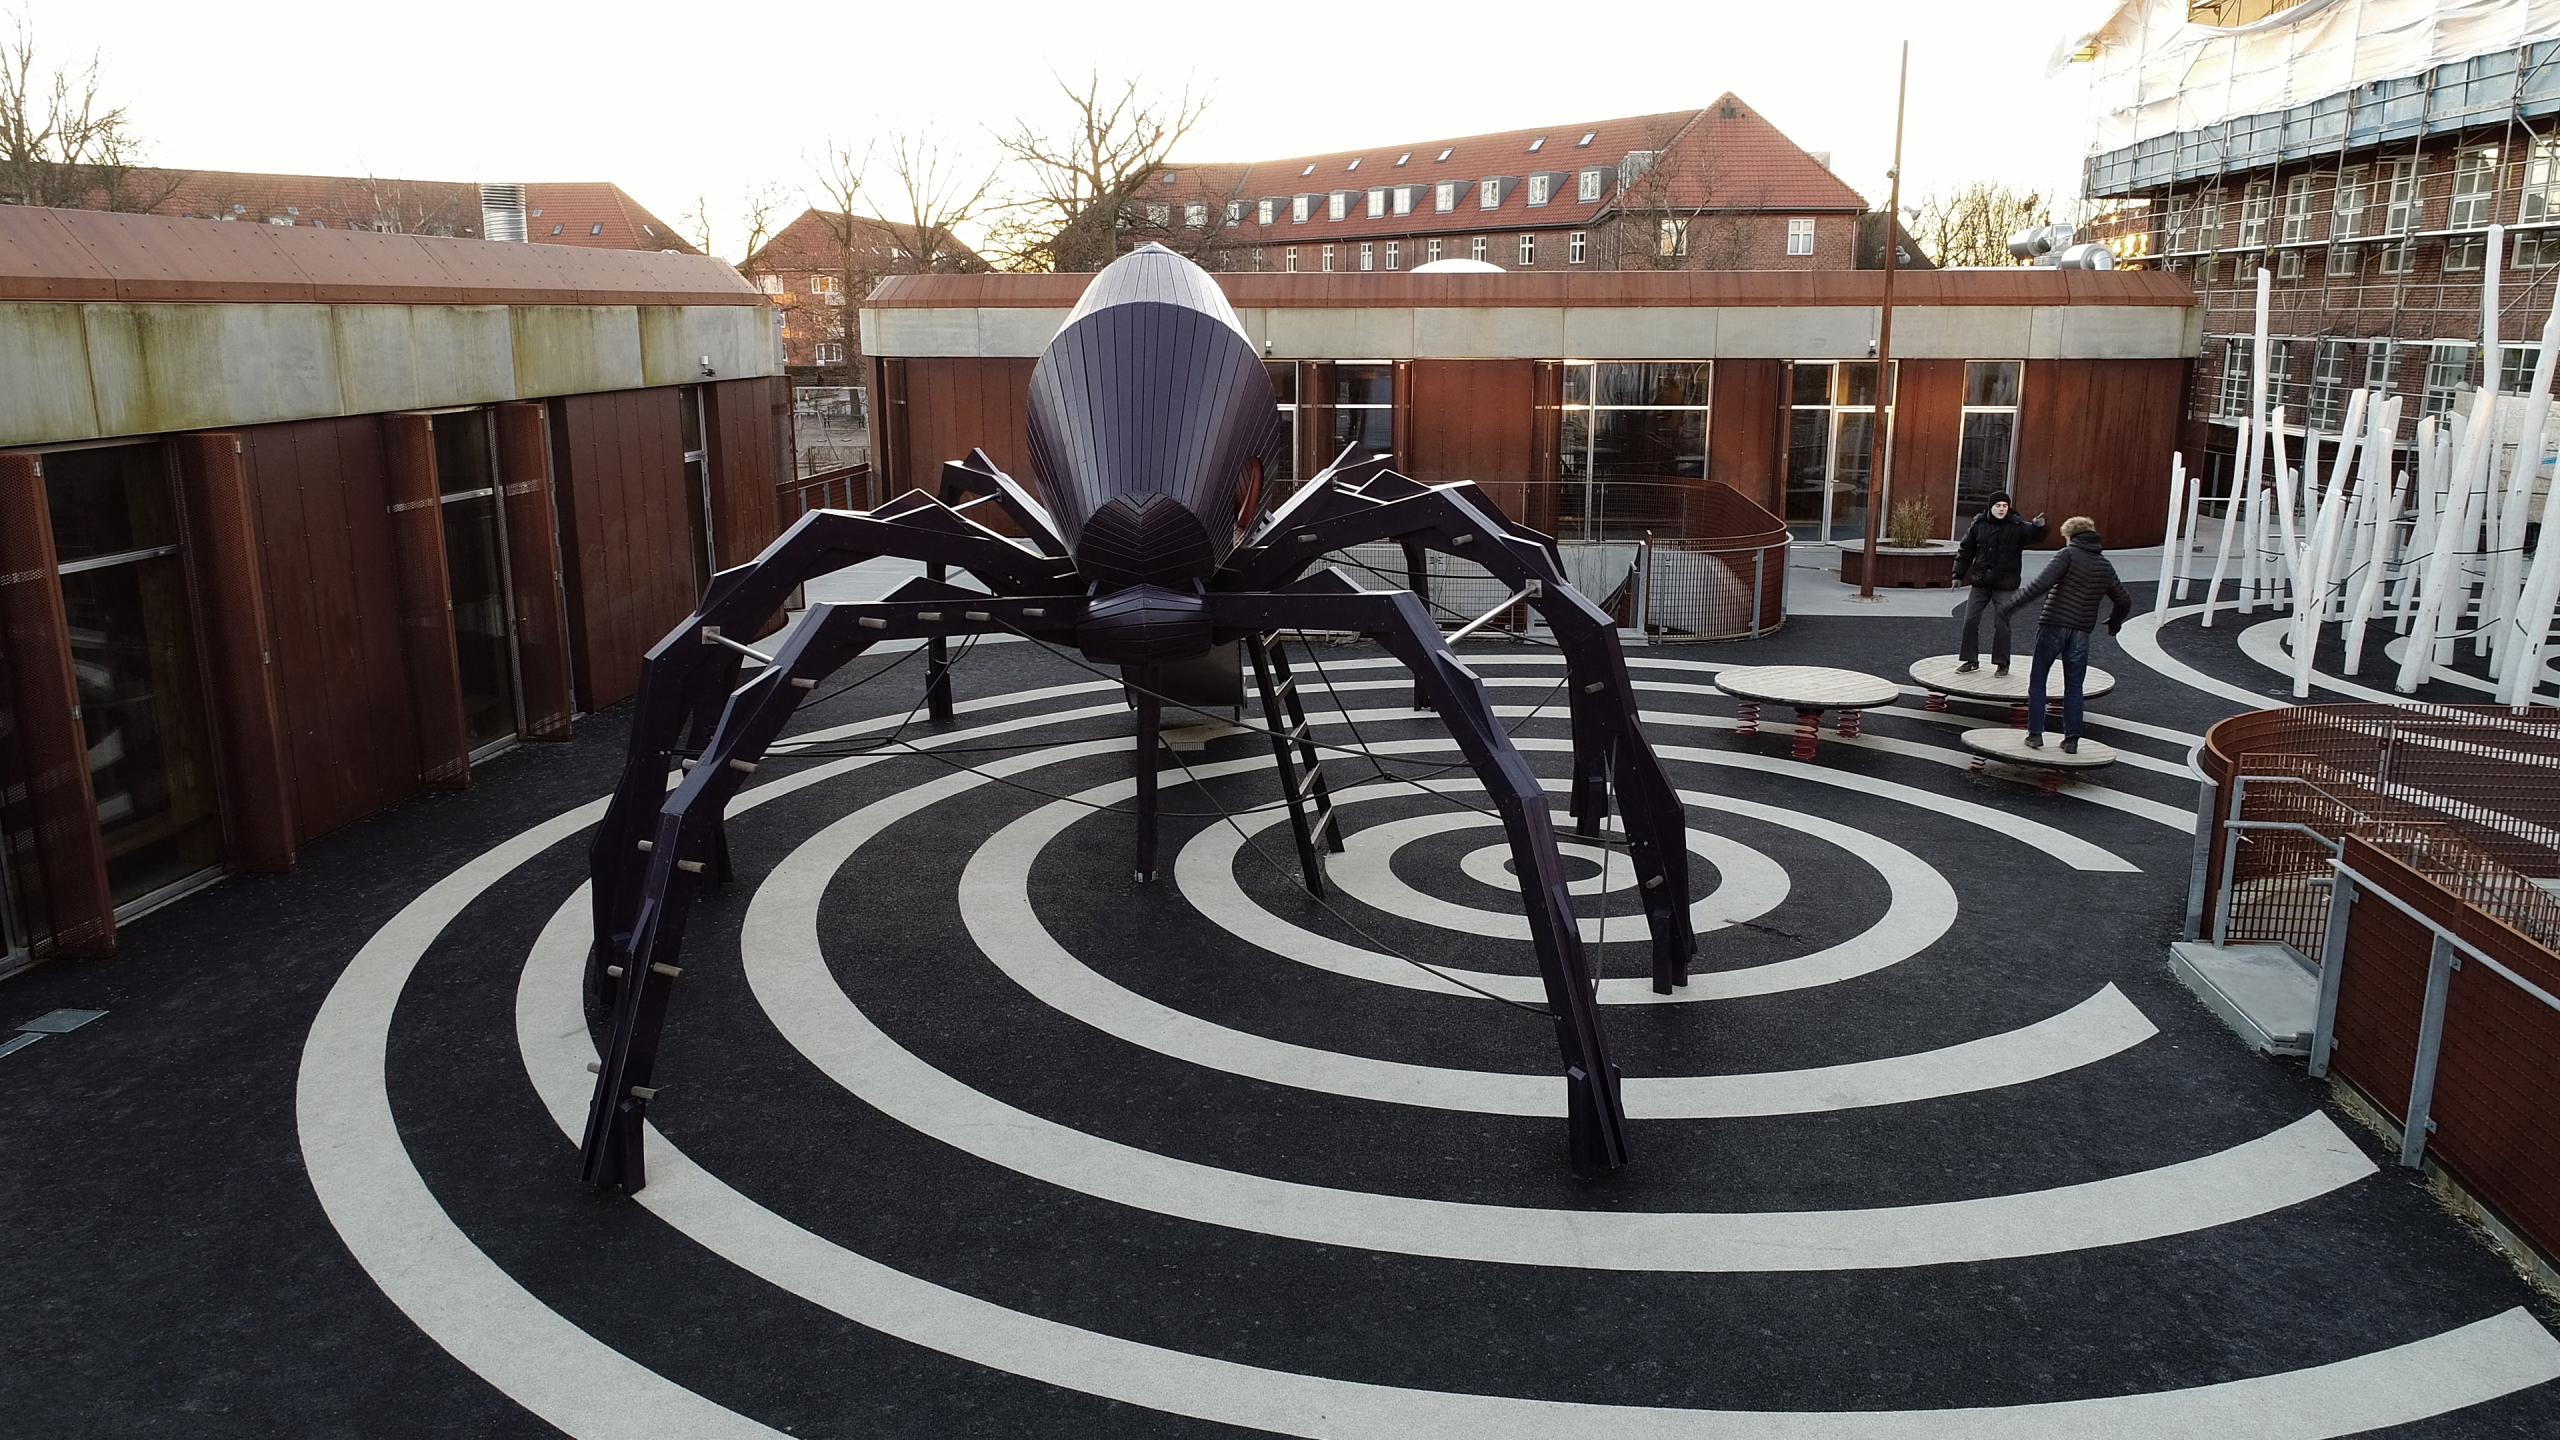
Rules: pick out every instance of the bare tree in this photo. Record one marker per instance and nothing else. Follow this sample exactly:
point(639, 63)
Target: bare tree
point(61, 143)
point(1078, 180)
point(1678, 207)
point(932, 193)
point(756, 209)
point(421, 207)
point(1973, 225)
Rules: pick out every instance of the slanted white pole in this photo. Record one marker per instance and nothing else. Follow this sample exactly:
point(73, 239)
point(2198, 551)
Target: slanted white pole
point(2435, 438)
point(2275, 424)
point(2386, 555)
point(2379, 488)
point(2195, 513)
point(2233, 507)
point(2171, 550)
point(2541, 592)
point(2279, 576)
point(2461, 514)
point(2311, 581)
point(2515, 623)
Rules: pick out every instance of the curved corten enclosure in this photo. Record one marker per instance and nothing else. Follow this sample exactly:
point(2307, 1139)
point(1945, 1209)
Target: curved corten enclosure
point(1150, 421)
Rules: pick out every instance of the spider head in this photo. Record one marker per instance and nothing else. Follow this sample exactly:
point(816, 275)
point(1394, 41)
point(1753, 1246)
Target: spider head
point(1151, 423)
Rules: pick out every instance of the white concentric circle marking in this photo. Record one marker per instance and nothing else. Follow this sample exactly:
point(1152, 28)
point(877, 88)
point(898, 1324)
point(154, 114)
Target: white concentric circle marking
point(1751, 884)
point(382, 1210)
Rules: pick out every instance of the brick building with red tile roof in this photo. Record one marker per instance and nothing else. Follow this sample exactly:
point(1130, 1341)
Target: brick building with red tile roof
point(594, 214)
point(810, 265)
point(1717, 188)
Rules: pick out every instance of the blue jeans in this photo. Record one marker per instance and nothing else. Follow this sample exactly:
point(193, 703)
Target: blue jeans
point(2071, 647)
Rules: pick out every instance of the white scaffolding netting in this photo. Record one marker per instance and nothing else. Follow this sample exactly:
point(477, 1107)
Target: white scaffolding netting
point(2157, 73)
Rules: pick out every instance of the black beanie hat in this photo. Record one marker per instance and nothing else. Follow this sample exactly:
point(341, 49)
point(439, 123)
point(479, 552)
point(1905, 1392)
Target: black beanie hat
point(2000, 498)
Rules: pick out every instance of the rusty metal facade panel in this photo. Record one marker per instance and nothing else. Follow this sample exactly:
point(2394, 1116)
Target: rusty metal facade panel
point(618, 462)
point(232, 629)
point(426, 602)
point(67, 866)
point(743, 427)
point(86, 255)
point(1589, 288)
point(533, 570)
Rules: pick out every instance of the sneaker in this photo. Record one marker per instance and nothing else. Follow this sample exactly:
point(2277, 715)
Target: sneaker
point(2071, 745)
point(1968, 667)
point(2035, 742)
point(2000, 672)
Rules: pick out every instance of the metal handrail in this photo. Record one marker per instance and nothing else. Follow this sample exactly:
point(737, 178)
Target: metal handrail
point(2444, 957)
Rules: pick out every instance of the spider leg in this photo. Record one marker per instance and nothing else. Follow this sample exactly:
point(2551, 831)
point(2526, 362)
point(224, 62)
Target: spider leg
point(1396, 619)
point(1609, 748)
point(683, 841)
point(686, 678)
point(980, 477)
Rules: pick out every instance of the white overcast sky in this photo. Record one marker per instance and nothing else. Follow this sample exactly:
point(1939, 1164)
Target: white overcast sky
point(672, 101)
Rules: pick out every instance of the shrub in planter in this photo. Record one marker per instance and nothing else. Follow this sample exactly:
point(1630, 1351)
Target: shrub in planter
point(1910, 526)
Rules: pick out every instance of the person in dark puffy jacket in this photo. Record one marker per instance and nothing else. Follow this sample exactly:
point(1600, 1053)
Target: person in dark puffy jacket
point(1989, 560)
point(2079, 577)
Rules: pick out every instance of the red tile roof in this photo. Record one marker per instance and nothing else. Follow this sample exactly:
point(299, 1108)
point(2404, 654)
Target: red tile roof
point(809, 243)
point(1724, 157)
point(593, 214)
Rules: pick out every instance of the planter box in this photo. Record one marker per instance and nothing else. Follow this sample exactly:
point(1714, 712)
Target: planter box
point(1930, 566)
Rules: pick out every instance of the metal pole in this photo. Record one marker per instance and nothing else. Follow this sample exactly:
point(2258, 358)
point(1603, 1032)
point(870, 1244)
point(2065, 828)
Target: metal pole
point(1883, 486)
point(2441, 963)
point(2208, 813)
point(2333, 959)
point(1759, 558)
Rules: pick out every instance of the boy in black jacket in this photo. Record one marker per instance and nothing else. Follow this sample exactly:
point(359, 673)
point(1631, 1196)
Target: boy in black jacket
point(1989, 561)
point(2079, 577)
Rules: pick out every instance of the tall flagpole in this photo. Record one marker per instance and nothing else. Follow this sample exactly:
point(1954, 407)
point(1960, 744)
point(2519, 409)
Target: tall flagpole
point(1882, 490)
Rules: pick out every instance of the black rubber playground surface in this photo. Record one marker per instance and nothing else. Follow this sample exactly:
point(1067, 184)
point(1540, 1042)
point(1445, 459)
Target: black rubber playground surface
point(964, 1132)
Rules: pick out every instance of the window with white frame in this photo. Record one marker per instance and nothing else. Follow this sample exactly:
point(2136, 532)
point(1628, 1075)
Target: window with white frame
point(2402, 215)
point(830, 353)
point(1587, 186)
point(1673, 236)
point(1298, 209)
point(1631, 168)
point(1800, 236)
point(1987, 450)
point(2328, 386)
point(1361, 404)
point(2209, 221)
point(2448, 371)
point(769, 284)
point(2382, 365)
point(1159, 216)
point(1488, 194)
point(1268, 211)
point(2462, 253)
point(1444, 196)
point(2232, 400)
point(1630, 431)
point(1431, 248)
point(1196, 216)
point(2256, 199)
point(2541, 199)
point(2515, 369)
point(1377, 203)
point(1368, 255)
point(2297, 212)
point(1325, 260)
point(2346, 208)
point(1538, 189)
point(2208, 269)
point(1573, 247)
point(2288, 264)
point(2537, 248)
point(1392, 253)
point(2344, 260)
point(2475, 184)
point(1289, 259)
point(1403, 197)
point(829, 288)
point(1528, 249)
point(2175, 223)
point(2398, 258)
point(1235, 212)
point(1478, 252)
point(1337, 205)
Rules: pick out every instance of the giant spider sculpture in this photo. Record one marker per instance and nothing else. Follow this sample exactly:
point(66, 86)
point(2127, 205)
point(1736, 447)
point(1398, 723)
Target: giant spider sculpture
point(1151, 422)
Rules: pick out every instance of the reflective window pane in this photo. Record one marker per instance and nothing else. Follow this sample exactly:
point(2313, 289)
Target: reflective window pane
point(1812, 383)
point(482, 638)
point(1653, 384)
point(1284, 381)
point(142, 717)
point(463, 463)
point(1364, 384)
point(1373, 431)
point(1857, 382)
point(689, 416)
point(1991, 382)
point(1982, 460)
point(109, 501)
point(1808, 466)
point(1577, 384)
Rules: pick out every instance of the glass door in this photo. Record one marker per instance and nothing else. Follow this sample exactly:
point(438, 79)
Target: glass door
point(1808, 448)
point(475, 557)
point(142, 714)
point(1831, 448)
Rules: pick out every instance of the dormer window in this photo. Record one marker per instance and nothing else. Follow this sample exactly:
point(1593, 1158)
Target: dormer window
point(1337, 205)
point(1445, 196)
point(1538, 144)
point(1298, 209)
point(1489, 194)
point(1404, 199)
point(1196, 216)
point(1377, 203)
point(1235, 212)
point(1589, 186)
point(1538, 189)
point(1267, 210)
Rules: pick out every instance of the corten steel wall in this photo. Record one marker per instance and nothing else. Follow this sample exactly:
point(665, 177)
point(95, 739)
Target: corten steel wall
point(747, 425)
point(232, 634)
point(426, 602)
point(323, 493)
point(1928, 427)
point(1747, 429)
point(624, 537)
point(1474, 420)
point(2496, 1102)
point(2094, 438)
point(938, 410)
point(69, 860)
point(533, 570)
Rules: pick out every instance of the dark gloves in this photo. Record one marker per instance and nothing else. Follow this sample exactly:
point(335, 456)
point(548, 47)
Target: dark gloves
point(2112, 627)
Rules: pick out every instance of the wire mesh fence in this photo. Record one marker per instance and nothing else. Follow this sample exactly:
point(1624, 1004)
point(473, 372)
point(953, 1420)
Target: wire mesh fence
point(2294, 783)
point(830, 428)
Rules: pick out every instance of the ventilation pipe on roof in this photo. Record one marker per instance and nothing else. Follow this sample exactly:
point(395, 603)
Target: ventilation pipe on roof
point(502, 212)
